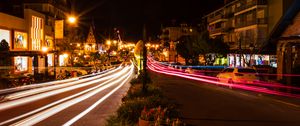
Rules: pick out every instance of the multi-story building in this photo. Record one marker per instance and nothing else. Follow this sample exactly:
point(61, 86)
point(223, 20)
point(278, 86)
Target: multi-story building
point(28, 27)
point(171, 35)
point(25, 37)
point(245, 26)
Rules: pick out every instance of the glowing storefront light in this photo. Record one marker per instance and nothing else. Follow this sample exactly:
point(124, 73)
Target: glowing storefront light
point(36, 32)
point(63, 59)
point(50, 59)
point(20, 41)
point(5, 34)
point(21, 63)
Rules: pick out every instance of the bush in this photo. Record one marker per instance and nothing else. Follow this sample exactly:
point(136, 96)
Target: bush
point(136, 100)
point(115, 121)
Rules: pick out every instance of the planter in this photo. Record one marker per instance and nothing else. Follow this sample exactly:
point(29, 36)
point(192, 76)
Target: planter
point(144, 122)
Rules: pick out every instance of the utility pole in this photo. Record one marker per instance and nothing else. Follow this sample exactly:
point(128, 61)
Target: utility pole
point(240, 48)
point(144, 60)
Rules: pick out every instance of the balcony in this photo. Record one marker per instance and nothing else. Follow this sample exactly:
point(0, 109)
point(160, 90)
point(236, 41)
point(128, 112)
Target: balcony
point(258, 21)
point(218, 31)
point(215, 18)
point(253, 3)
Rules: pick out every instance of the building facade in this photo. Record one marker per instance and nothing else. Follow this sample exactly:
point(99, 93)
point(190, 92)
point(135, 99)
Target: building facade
point(245, 25)
point(28, 27)
point(287, 39)
point(171, 35)
point(25, 38)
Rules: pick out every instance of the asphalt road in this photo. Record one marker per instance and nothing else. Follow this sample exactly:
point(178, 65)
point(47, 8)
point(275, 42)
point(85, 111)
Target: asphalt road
point(210, 105)
point(87, 101)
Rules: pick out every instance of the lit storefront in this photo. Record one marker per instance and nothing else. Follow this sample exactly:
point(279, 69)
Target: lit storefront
point(238, 60)
point(49, 43)
point(63, 59)
point(21, 63)
point(5, 35)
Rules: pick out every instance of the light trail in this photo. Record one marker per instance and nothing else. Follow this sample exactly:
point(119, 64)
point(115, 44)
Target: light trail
point(44, 89)
point(257, 83)
point(54, 103)
point(51, 111)
point(18, 102)
point(218, 67)
point(238, 86)
point(76, 118)
point(26, 87)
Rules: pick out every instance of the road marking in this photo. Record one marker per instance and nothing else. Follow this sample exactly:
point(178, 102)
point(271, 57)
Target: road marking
point(286, 103)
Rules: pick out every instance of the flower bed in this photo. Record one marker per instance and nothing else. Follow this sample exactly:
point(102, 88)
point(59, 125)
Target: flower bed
point(133, 110)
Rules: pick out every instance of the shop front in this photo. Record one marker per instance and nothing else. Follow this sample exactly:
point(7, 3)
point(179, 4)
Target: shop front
point(248, 60)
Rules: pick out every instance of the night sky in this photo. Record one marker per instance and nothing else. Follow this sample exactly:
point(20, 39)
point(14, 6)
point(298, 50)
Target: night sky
point(130, 15)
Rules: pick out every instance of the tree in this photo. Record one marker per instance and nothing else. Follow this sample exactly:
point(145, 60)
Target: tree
point(190, 47)
point(217, 49)
point(68, 43)
point(94, 57)
point(4, 45)
point(4, 61)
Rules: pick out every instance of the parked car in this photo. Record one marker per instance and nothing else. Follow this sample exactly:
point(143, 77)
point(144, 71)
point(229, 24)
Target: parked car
point(238, 75)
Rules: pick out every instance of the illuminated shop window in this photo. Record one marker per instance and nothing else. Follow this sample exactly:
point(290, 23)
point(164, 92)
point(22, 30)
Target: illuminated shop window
point(49, 42)
point(21, 63)
point(36, 32)
point(5, 34)
point(20, 41)
point(50, 59)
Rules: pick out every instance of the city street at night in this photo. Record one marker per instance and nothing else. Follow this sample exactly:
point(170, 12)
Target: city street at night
point(149, 63)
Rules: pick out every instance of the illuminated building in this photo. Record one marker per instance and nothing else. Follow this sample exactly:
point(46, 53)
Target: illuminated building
point(245, 26)
point(28, 26)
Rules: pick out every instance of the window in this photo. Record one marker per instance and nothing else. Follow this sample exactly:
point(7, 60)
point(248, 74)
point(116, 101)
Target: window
point(261, 14)
point(5, 34)
point(20, 41)
point(49, 42)
point(21, 63)
point(249, 17)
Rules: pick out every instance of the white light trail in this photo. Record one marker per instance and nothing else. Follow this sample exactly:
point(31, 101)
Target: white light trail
point(54, 103)
point(44, 89)
point(18, 102)
point(76, 118)
point(51, 111)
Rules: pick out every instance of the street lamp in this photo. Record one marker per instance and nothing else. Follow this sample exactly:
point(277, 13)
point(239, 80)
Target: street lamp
point(108, 42)
point(44, 49)
point(72, 20)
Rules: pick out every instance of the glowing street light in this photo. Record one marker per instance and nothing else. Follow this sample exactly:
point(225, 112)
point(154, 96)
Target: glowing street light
point(108, 42)
point(65, 55)
point(45, 49)
point(72, 19)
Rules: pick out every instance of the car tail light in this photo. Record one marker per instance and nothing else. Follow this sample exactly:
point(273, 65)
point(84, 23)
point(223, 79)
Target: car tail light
point(238, 74)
